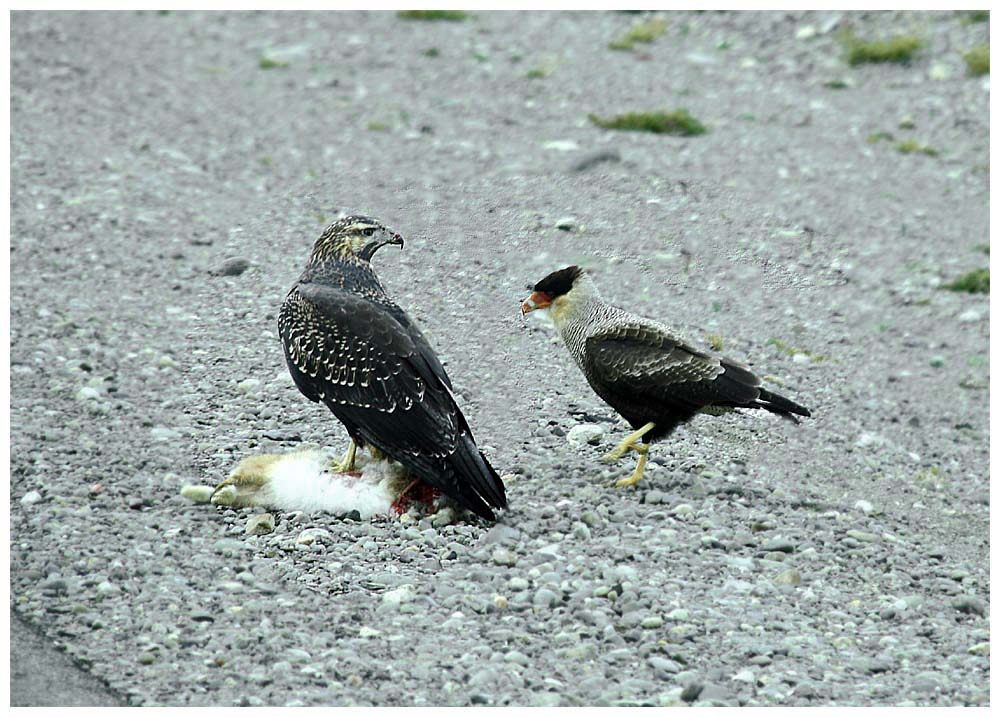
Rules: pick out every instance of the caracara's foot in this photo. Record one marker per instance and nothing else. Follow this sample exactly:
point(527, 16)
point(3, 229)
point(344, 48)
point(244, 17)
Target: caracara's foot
point(631, 443)
point(639, 470)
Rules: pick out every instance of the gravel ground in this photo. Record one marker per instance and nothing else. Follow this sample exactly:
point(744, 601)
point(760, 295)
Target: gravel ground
point(168, 181)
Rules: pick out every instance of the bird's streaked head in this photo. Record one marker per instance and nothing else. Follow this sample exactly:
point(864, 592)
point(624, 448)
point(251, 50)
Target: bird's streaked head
point(559, 291)
point(354, 235)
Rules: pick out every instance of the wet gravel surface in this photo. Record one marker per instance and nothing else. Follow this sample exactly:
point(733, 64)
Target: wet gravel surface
point(169, 175)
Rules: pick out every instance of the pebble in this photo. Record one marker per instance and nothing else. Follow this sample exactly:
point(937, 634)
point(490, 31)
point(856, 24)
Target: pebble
point(502, 556)
point(106, 588)
point(87, 393)
point(969, 605)
point(864, 506)
point(162, 433)
point(655, 497)
point(651, 623)
point(679, 614)
point(248, 385)
point(545, 598)
point(663, 666)
point(312, 535)
point(586, 160)
point(197, 493)
point(691, 691)
point(778, 545)
point(969, 317)
point(788, 577)
point(366, 631)
point(518, 584)
point(581, 531)
point(936, 361)
point(566, 224)
point(399, 596)
point(805, 32)
point(231, 267)
point(585, 433)
point(260, 524)
point(862, 537)
point(31, 497)
point(983, 649)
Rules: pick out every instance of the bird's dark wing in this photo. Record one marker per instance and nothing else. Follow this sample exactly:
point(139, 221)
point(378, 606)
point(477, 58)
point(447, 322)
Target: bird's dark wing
point(642, 362)
point(379, 379)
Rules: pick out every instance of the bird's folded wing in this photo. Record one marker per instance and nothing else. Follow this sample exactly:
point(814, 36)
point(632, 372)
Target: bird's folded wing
point(355, 356)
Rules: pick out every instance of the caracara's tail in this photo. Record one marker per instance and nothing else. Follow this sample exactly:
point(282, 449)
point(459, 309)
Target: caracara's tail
point(776, 403)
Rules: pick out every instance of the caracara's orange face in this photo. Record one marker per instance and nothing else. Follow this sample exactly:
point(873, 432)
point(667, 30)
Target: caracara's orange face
point(548, 290)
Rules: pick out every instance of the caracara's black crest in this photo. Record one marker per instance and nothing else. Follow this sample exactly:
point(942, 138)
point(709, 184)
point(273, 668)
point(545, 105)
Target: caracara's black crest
point(559, 282)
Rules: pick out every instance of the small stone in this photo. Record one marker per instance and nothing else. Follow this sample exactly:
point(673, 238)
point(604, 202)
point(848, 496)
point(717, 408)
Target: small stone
point(401, 595)
point(502, 556)
point(197, 493)
point(87, 393)
point(249, 385)
point(663, 666)
point(545, 598)
point(655, 497)
point(260, 524)
point(788, 577)
point(906, 122)
point(864, 506)
point(982, 649)
point(581, 531)
point(679, 614)
point(683, 509)
point(366, 631)
point(805, 32)
point(566, 224)
point(31, 497)
point(500, 602)
point(106, 589)
point(869, 440)
point(652, 622)
point(231, 267)
point(862, 537)
point(517, 657)
point(585, 433)
point(518, 584)
point(936, 361)
point(312, 535)
point(147, 658)
point(445, 516)
point(778, 545)
point(691, 691)
point(969, 605)
point(162, 433)
point(586, 160)
point(745, 676)
point(969, 317)
point(939, 71)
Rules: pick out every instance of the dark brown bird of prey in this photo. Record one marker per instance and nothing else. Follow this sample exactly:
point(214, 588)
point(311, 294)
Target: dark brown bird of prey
point(655, 381)
point(349, 346)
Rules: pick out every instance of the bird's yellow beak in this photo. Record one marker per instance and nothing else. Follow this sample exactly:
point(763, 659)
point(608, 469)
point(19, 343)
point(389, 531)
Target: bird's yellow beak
point(537, 300)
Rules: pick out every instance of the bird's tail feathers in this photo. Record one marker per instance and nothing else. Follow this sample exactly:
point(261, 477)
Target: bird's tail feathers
point(776, 403)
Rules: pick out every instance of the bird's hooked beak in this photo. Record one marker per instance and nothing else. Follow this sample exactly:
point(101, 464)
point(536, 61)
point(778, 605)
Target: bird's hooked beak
point(369, 249)
point(537, 300)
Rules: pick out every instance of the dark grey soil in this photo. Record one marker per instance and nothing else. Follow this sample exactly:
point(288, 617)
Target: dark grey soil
point(166, 188)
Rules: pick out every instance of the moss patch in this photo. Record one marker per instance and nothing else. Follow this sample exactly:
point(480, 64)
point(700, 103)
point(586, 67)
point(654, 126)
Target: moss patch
point(912, 146)
point(977, 60)
point(789, 350)
point(431, 52)
point(433, 15)
point(976, 16)
point(266, 63)
point(679, 122)
point(896, 49)
point(643, 32)
point(976, 281)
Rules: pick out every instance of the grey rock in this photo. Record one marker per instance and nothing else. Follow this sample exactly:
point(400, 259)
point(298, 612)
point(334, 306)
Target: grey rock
point(585, 160)
point(260, 524)
point(545, 598)
point(233, 266)
point(969, 605)
point(585, 433)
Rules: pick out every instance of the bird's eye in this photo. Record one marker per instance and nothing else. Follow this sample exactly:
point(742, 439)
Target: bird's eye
point(368, 232)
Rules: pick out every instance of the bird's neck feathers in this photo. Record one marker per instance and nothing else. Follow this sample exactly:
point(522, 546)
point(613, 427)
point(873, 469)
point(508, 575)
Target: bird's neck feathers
point(574, 304)
point(331, 246)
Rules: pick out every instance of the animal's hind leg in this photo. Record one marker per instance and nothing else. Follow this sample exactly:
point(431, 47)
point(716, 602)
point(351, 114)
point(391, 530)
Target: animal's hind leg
point(629, 444)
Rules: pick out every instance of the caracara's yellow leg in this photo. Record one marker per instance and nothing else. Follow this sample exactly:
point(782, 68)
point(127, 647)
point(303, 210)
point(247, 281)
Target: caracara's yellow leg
point(629, 444)
point(639, 469)
point(346, 464)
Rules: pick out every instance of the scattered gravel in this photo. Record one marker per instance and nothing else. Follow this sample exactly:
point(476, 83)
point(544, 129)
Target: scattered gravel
point(744, 569)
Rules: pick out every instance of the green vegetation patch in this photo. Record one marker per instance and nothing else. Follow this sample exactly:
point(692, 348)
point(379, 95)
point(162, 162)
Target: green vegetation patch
point(266, 63)
point(431, 52)
point(976, 16)
point(679, 122)
point(433, 15)
point(976, 281)
point(896, 49)
point(978, 60)
point(789, 350)
point(912, 146)
point(643, 32)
